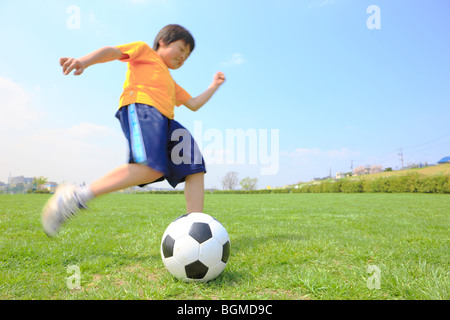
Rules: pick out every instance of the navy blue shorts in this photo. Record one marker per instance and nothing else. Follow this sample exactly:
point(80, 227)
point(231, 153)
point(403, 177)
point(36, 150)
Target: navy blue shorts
point(162, 144)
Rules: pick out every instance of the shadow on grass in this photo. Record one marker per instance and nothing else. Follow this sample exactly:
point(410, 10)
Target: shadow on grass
point(227, 279)
point(244, 243)
point(234, 275)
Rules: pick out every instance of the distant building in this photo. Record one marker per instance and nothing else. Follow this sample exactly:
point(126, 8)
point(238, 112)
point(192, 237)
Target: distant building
point(444, 160)
point(340, 175)
point(20, 180)
point(19, 184)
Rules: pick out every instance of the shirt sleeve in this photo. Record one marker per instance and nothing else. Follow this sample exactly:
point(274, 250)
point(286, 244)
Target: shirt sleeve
point(181, 95)
point(134, 50)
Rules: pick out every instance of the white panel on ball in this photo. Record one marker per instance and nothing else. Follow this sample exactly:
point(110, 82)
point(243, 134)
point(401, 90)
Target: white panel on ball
point(219, 232)
point(210, 252)
point(186, 250)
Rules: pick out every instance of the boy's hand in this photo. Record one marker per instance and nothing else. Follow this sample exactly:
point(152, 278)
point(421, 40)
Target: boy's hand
point(218, 79)
point(70, 64)
point(196, 103)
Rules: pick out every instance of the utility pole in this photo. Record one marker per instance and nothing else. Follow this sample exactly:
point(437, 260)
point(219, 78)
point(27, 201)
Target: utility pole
point(401, 156)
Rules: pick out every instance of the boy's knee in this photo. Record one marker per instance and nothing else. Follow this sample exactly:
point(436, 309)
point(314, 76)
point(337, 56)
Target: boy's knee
point(195, 175)
point(195, 179)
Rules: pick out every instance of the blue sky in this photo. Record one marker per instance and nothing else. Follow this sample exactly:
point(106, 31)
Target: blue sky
point(336, 92)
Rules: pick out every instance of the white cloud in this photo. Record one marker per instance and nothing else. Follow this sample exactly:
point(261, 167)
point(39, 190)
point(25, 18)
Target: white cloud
point(303, 152)
point(342, 153)
point(98, 27)
point(321, 3)
point(82, 152)
point(86, 130)
point(16, 108)
point(145, 1)
point(236, 59)
point(28, 146)
point(307, 163)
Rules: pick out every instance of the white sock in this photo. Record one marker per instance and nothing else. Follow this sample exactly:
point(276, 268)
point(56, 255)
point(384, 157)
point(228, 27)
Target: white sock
point(84, 194)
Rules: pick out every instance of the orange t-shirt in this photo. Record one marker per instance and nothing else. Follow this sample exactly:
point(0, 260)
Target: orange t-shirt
point(149, 81)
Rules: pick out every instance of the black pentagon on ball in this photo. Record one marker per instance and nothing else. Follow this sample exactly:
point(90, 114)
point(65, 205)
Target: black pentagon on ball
point(226, 252)
point(200, 231)
point(196, 270)
point(167, 246)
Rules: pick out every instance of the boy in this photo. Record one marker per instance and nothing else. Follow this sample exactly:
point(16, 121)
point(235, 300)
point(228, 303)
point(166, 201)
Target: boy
point(146, 113)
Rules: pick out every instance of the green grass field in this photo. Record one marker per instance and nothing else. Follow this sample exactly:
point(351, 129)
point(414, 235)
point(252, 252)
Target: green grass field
point(283, 246)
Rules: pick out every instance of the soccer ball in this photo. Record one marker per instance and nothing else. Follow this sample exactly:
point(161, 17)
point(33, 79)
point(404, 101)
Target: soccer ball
point(195, 247)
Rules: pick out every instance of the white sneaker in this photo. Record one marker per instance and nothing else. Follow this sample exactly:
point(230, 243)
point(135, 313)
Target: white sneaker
point(63, 205)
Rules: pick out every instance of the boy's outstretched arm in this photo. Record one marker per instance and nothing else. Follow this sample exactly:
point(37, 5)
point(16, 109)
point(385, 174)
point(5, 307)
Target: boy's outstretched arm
point(196, 103)
point(101, 55)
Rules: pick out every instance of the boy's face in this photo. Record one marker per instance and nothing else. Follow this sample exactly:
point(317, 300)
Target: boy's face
point(174, 54)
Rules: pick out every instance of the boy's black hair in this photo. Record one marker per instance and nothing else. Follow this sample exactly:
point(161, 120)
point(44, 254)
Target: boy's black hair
point(172, 33)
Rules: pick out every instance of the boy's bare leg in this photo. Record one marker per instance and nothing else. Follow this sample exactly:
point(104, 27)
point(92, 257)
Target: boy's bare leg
point(194, 192)
point(125, 176)
point(69, 199)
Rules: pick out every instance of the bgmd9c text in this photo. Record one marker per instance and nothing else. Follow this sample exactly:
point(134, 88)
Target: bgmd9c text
point(246, 309)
